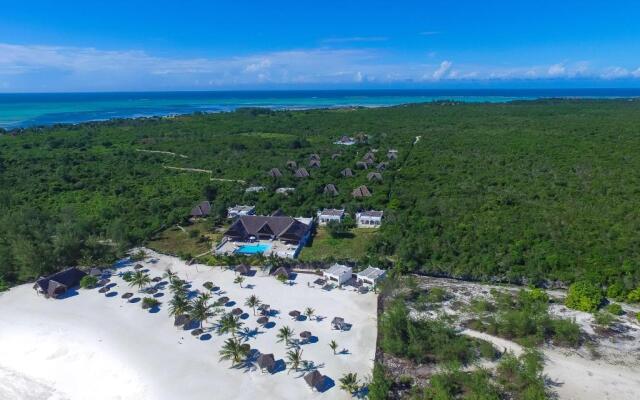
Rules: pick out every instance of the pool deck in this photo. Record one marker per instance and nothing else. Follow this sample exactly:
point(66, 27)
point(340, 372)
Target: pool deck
point(276, 248)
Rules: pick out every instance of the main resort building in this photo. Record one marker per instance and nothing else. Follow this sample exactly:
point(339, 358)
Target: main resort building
point(276, 235)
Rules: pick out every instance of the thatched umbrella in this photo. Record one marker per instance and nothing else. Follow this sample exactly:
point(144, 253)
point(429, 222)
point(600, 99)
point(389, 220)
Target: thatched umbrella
point(266, 362)
point(138, 266)
point(295, 314)
point(151, 291)
point(263, 320)
point(104, 290)
point(242, 269)
point(314, 379)
point(208, 285)
point(197, 332)
point(127, 295)
point(237, 311)
point(223, 300)
point(156, 279)
point(181, 320)
point(103, 282)
point(305, 334)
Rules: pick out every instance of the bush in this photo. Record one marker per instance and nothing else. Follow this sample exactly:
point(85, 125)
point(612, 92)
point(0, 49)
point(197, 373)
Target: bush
point(584, 296)
point(566, 332)
point(615, 309)
point(604, 319)
point(150, 302)
point(634, 296)
point(437, 295)
point(88, 282)
point(127, 276)
point(3, 285)
point(380, 384)
point(616, 291)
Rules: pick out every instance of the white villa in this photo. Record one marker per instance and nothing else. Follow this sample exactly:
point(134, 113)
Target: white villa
point(254, 189)
point(345, 141)
point(338, 273)
point(239, 210)
point(285, 190)
point(369, 219)
point(330, 215)
point(370, 276)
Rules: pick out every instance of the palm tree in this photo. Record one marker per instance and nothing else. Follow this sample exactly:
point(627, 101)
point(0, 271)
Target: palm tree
point(233, 350)
point(282, 278)
point(239, 280)
point(200, 308)
point(253, 301)
point(140, 279)
point(333, 345)
point(309, 312)
point(284, 334)
point(179, 305)
point(294, 357)
point(170, 275)
point(349, 382)
point(177, 287)
point(230, 324)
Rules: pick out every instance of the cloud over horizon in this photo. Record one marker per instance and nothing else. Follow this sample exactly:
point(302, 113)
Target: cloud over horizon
point(65, 68)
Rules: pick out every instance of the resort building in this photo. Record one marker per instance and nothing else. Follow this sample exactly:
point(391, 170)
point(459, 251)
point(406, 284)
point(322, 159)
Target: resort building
point(301, 173)
point(275, 173)
point(347, 173)
point(392, 154)
point(285, 190)
point(201, 210)
point(237, 211)
point(369, 219)
point(338, 273)
point(254, 189)
point(276, 235)
point(370, 276)
point(345, 141)
point(56, 285)
point(330, 215)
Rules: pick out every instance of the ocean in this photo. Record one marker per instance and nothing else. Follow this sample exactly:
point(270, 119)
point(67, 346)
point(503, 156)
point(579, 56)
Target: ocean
point(35, 109)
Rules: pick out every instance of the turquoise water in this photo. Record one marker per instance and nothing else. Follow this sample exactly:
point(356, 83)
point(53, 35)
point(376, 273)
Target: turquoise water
point(29, 109)
point(252, 249)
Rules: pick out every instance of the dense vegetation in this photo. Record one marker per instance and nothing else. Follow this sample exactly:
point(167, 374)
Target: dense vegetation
point(526, 190)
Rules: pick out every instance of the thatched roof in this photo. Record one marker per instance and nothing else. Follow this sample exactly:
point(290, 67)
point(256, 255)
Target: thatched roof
point(95, 272)
point(301, 173)
point(266, 361)
point(369, 157)
point(314, 157)
point(347, 172)
point(314, 378)
point(237, 311)
point(362, 165)
point(281, 271)
point(127, 295)
point(275, 173)
point(181, 320)
point(138, 266)
point(223, 300)
point(392, 154)
point(374, 176)
point(330, 189)
point(292, 164)
point(57, 284)
point(262, 320)
point(381, 166)
point(294, 313)
point(361, 191)
point(314, 163)
point(242, 269)
point(305, 334)
point(335, 155)
point(202, 209)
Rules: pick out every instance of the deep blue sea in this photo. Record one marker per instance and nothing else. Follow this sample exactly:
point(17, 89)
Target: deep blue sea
point(23, 110)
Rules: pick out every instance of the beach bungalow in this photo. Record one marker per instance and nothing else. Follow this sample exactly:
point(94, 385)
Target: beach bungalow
point(392, 154)
point(56, 285)
point(369, 157)
point(361, 191)
point(314, 157)
point(266, 362)
point(369, 219)
point(276, 235)
point(381, 166)
point(313, 163)
point(242, 269)
point(281, 271)
point(240, 210)
point(330, 215)
point(347, 173)
point(275, 173)
point(301, 173)
point(362, 165)
point(201, 210)
point(338, 273)
point(330, 189)
point(370, 276)
point(345, 141)
point(335, 156)
point(374, 177)
point(254, 189)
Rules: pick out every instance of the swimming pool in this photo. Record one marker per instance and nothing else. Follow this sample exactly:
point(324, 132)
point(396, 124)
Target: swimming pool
point(252, 249)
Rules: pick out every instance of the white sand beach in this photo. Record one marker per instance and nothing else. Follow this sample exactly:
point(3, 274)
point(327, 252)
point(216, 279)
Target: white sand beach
point(90, 346)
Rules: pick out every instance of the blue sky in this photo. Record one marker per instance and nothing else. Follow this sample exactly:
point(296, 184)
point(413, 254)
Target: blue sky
point(214, 45)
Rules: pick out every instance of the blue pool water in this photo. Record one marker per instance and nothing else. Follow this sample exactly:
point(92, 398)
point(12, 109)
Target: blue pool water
point(252, 249)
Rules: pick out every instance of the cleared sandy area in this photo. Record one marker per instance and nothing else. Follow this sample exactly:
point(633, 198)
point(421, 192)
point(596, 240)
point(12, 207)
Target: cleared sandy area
point(90, 346)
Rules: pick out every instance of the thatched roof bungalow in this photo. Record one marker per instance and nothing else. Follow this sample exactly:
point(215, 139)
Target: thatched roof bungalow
point(361, 191)
point(56, 285)
point(330, 189)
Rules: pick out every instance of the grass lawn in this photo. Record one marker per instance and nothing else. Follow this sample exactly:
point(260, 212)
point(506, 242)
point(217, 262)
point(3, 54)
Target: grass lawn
point(324, 246)
point(176, 241)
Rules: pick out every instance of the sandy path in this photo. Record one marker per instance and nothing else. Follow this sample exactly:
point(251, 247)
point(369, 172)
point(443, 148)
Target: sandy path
point(575, 378)
point(89, 346)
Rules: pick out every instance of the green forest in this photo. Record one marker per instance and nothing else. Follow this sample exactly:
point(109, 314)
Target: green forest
point(523, 192)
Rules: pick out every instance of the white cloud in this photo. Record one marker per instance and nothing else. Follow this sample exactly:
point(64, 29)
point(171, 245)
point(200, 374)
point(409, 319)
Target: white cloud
point(355, 39)
point(429, 33)
point(442, 70)
point(60, 68)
